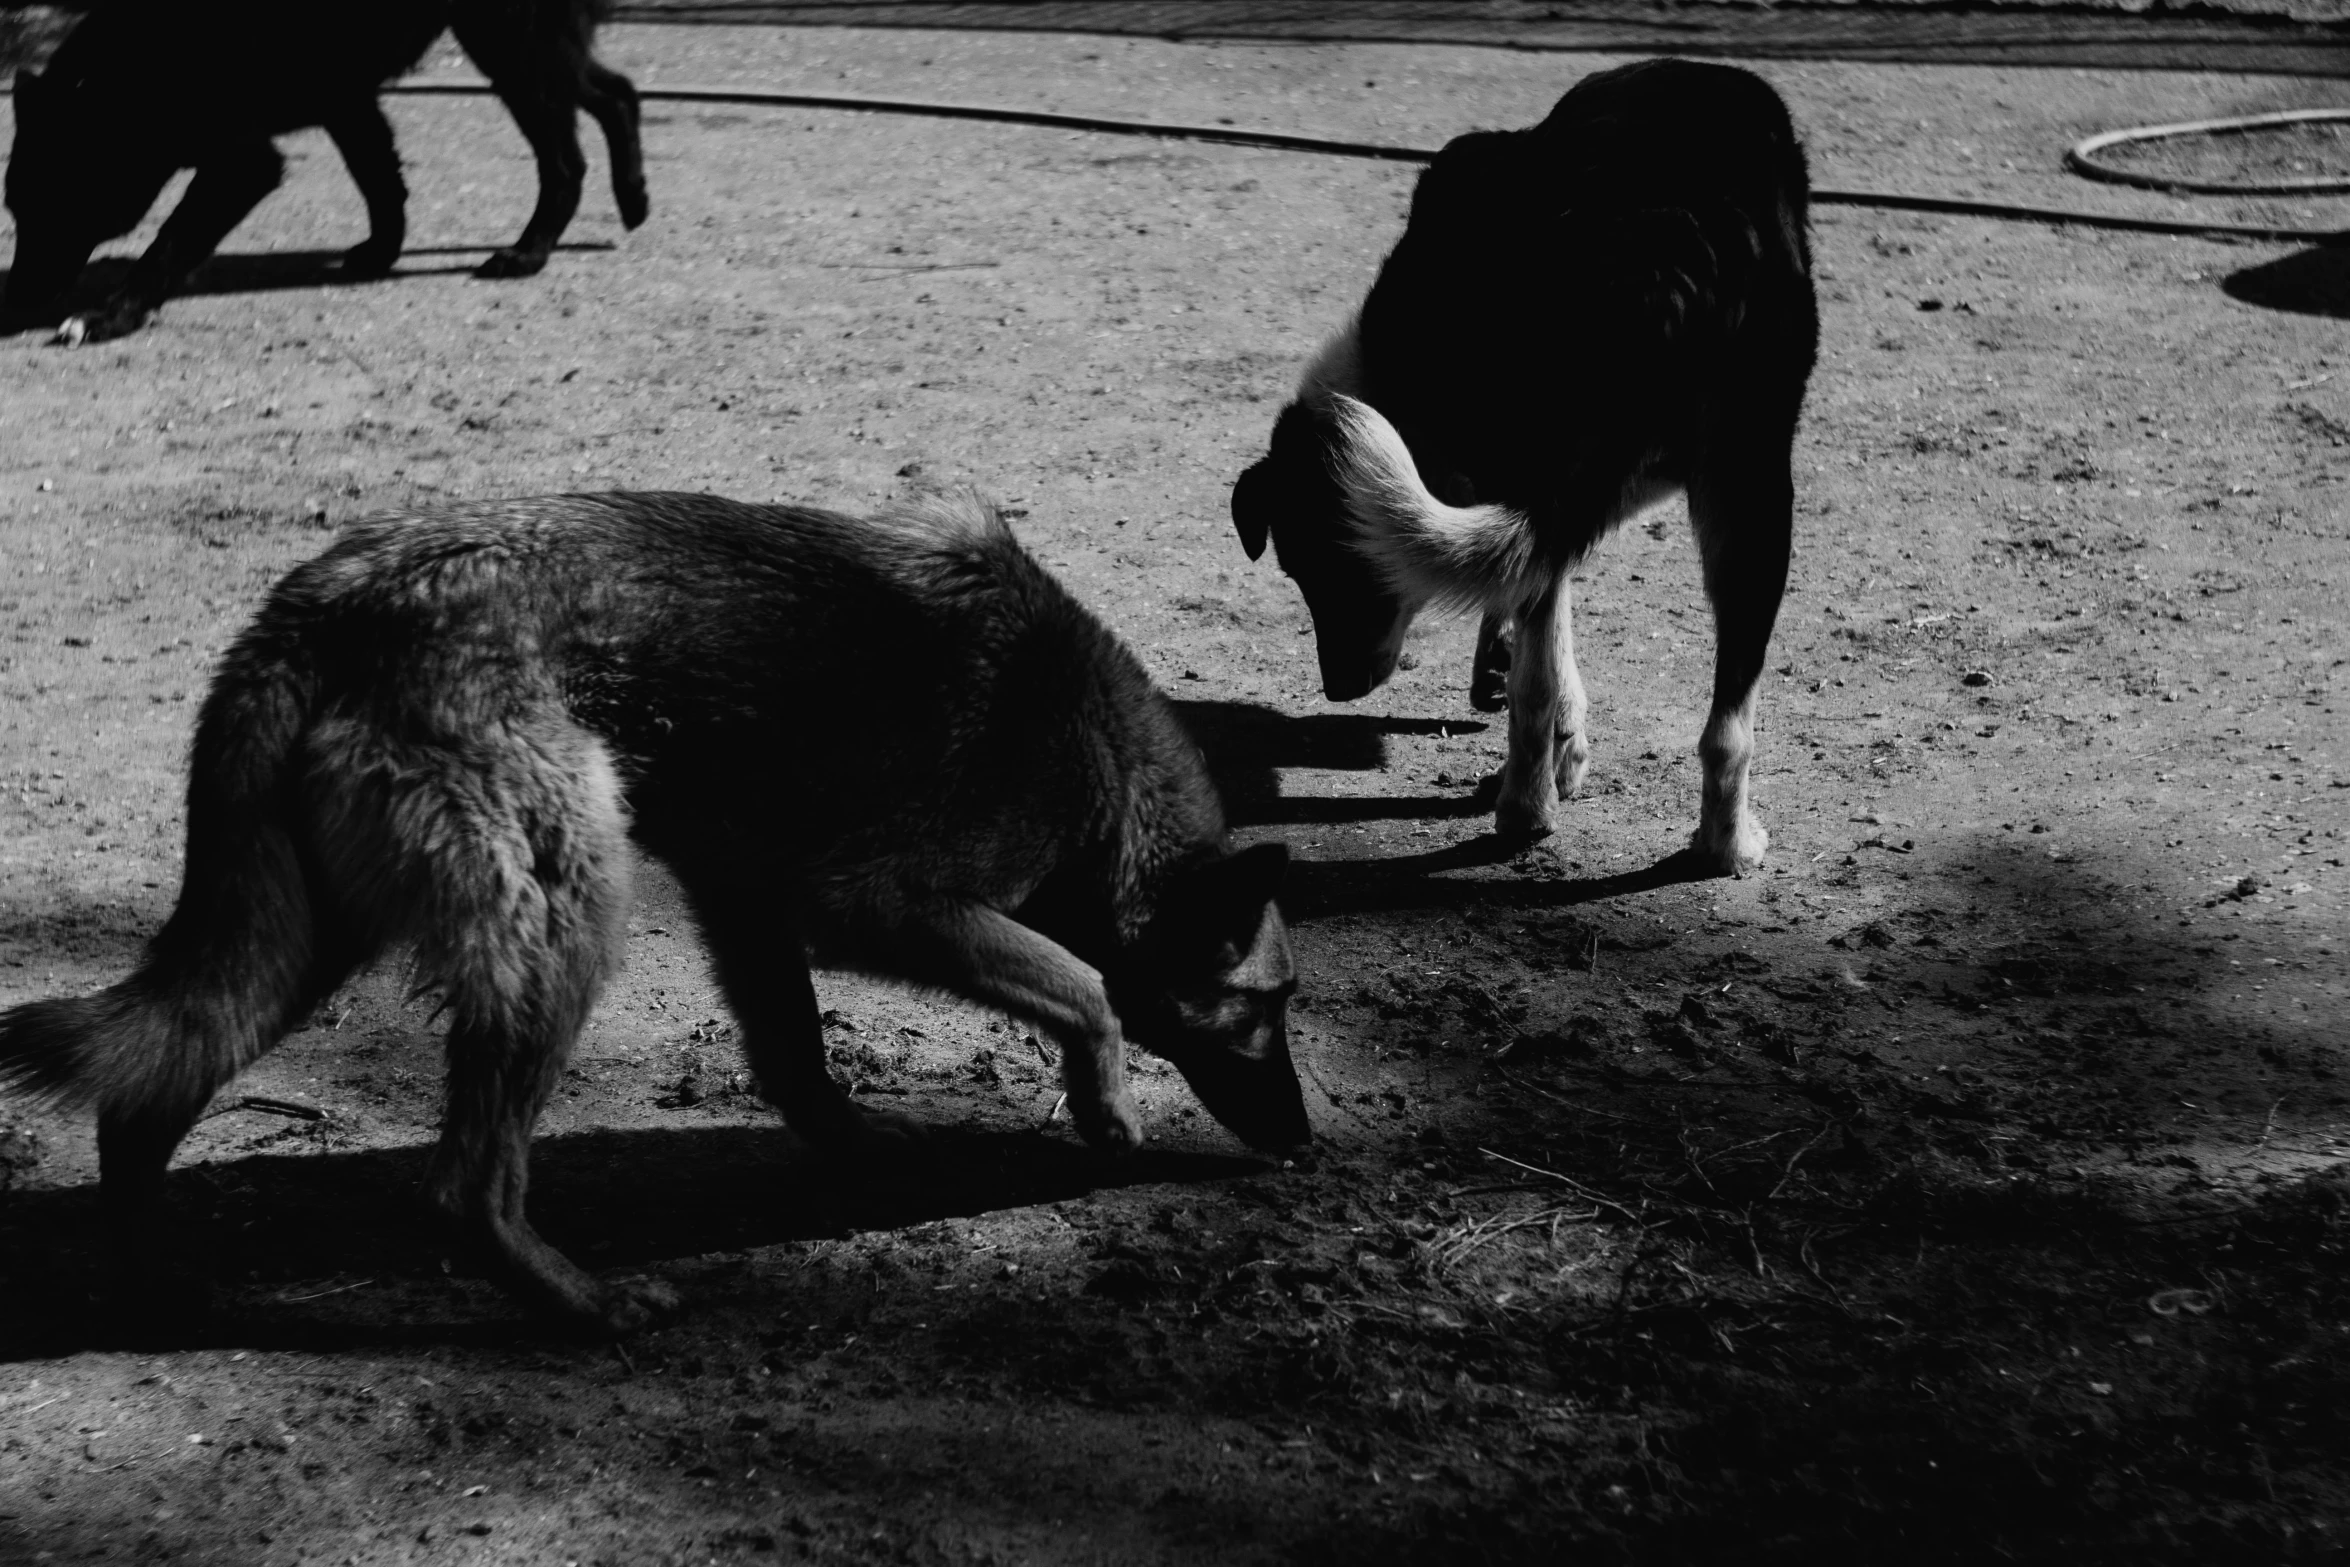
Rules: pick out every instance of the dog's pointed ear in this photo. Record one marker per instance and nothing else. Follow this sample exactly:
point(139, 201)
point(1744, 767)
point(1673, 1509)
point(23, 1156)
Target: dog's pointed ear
point(1253, 876)
point(1222, 903)
point(1232, 893)
point(1253, 502)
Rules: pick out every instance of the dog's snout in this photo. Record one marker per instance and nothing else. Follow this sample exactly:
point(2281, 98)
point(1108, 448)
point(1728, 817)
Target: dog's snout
point(1347, 679)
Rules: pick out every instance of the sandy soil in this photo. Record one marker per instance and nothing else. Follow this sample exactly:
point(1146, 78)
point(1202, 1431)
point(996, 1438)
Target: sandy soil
point(1965, 1187)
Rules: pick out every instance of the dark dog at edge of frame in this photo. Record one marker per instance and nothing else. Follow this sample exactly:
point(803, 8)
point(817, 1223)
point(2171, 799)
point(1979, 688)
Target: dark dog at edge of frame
point(143, 88)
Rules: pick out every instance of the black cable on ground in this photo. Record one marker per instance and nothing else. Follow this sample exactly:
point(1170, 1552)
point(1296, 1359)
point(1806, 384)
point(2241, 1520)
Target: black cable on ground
point(1236, 136)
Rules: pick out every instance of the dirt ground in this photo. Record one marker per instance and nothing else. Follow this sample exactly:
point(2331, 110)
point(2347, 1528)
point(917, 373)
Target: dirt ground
point(1965, 1187)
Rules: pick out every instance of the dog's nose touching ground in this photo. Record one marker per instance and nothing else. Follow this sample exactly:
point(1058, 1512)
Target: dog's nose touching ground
point(1278, 1129)
point(1352, 679)
point(1254, 1094)
point(1356, 661)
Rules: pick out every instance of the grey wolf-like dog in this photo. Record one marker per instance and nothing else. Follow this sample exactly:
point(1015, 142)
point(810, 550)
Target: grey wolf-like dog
point(1580, 320)
point(143, 88)
point(896, 742)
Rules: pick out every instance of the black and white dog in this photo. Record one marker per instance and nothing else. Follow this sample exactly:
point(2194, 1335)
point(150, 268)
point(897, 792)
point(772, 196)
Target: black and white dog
point(1581, 319)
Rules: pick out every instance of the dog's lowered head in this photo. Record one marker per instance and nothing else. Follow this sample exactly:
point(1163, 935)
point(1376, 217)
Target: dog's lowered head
point(1207, 986)
point(1291, 496)
point(1366, 542)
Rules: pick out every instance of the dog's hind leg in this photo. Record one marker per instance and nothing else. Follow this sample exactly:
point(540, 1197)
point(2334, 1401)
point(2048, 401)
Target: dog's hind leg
point(364, 137)
point(1744, 512)
point(539, 87)
point(251, 948)
point(228, 184)
point(611, 98)
point(1489, 667)
point(1547, 711)
point(172, 1035)
point(553, 132)
point(517, 869)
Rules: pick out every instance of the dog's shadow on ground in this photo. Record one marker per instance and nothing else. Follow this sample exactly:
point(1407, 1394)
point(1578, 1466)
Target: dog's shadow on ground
point(269, 271)
point(1247, 745)
point(1418, 882)
point(2314, 282)
point(269, 1241)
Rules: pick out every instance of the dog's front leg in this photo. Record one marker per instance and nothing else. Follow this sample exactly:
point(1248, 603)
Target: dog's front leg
point(1743, 506)
point(1547, 750)
point(760, 954)
point(227, 186)
point(1573, 741)
point(364, 137)
point(991, 957)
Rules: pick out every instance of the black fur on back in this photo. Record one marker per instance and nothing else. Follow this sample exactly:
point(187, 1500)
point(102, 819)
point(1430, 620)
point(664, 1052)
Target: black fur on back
point(894, 740)
point(266, 66)
point(271, 66)
point(978, 733)
point(963, 735)
point(1568, 296)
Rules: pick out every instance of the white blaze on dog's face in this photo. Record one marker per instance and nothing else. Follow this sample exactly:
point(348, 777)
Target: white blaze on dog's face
point(1337, 368)
point(1208, 989)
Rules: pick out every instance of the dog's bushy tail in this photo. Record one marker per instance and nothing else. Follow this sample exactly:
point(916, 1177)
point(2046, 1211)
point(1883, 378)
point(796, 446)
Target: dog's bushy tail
point(1463, 557)
point(237, 962)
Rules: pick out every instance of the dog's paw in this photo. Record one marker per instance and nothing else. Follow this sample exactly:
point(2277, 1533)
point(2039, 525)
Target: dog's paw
point(512, 262)
point(119, 319)
point(841, 1128)
point(1525, 802)
point(1111, 1125)
point(1733, 848)
point(151, 1307)
point(890, 1132)
point(633, 1303)
point(880, 1139)
point(635, 206)
point(1522, 821)
point(370, 259)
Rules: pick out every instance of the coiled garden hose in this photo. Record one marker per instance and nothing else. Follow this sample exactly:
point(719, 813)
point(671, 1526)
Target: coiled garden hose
point(2082, 159)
